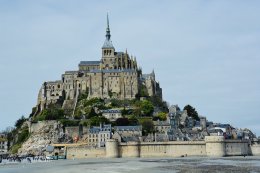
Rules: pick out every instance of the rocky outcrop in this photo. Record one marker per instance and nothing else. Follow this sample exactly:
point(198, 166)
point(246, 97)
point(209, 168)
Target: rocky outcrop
point(42, 134)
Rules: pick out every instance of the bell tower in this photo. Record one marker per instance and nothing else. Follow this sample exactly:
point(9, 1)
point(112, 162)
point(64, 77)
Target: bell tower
point(108, 50)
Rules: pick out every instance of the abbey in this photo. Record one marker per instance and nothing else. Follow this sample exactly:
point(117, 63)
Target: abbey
point(115, 75)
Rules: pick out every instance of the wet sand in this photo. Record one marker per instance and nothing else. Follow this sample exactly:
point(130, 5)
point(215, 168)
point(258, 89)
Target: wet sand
point(140, 165)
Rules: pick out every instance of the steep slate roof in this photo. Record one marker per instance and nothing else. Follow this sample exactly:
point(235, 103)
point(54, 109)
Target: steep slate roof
point(130, 138)
point(161, 123)
point(97, 129)
point(94, 130)
point(89, 63)
point(147, 76)
point(111, 111)
point(108, 44)
point(71, 72)
point(54, 82)
point(111, 70)
point(119, 53)
point(126, 128)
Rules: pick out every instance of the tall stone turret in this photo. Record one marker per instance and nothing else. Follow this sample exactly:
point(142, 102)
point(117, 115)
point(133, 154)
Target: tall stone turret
point(112, 150)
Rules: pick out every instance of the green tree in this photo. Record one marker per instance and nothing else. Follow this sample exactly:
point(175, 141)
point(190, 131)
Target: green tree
point(137, 109)
point(133, 121)
point(78, 114)
point(23, 135)
point(158, 102)
point(67, 122)
point(147, 126)
point(146, 108)
point(191, 112)
point(83, 95)
point(161, 116)
point(143, 91)
point(95, 121)
point(33, 111)
point(15, 148)
point(20, 122)
point(20, 136)
point(51, 113)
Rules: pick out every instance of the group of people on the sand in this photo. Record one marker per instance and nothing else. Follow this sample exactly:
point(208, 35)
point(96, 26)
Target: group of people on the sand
point(19, 159)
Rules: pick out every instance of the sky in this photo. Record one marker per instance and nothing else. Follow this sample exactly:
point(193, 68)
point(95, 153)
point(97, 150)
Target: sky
point(204, 53)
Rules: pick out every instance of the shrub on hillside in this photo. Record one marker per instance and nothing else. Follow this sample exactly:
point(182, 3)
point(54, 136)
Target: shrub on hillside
point(20, 122)
point(51, 114)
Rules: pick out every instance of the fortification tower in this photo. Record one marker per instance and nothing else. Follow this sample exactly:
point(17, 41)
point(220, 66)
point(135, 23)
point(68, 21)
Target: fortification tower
point(112, 150)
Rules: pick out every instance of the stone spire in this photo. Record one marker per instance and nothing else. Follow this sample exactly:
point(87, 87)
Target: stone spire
point(108, 42)
point(108, 30)
point(153, 74)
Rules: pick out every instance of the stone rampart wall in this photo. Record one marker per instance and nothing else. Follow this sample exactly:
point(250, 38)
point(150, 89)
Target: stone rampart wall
point(82, 152)
point(162, 149)
point(236, 148)
point(212, 146)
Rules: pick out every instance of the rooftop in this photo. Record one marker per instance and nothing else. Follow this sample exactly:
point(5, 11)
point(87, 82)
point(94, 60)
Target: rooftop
point(108, 44)
point(111, 70)
point(111, 111)
point(71, 72)
point(127, 128)
point(89, 63)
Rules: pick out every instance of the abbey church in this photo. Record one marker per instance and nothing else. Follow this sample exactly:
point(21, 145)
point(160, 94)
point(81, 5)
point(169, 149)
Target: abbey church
point(115, 75)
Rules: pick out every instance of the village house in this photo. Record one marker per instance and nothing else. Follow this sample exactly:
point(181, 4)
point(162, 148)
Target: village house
point(97, 135)
point(127, 133)
point(112, 114)
point(3, 144)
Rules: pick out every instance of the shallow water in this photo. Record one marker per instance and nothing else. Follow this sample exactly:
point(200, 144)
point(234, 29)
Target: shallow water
point(139, 165)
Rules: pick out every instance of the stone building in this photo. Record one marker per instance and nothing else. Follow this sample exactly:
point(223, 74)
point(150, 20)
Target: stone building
point(3, 144)
point(112, 114)
point(127, 133)
point(115, 75)
point(162, 126)
point(98, 135)
point(132, 130)
point(178, 117)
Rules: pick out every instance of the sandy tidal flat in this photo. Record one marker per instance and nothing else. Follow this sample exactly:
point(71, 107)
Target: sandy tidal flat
point(140, 165)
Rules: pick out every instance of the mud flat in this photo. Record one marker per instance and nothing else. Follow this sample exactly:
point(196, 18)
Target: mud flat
point(248, 164)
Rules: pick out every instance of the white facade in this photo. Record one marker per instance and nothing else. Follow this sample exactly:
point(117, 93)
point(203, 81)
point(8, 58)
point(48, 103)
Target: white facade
point(3, 144)
point(112, 114)
point(98, 136)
